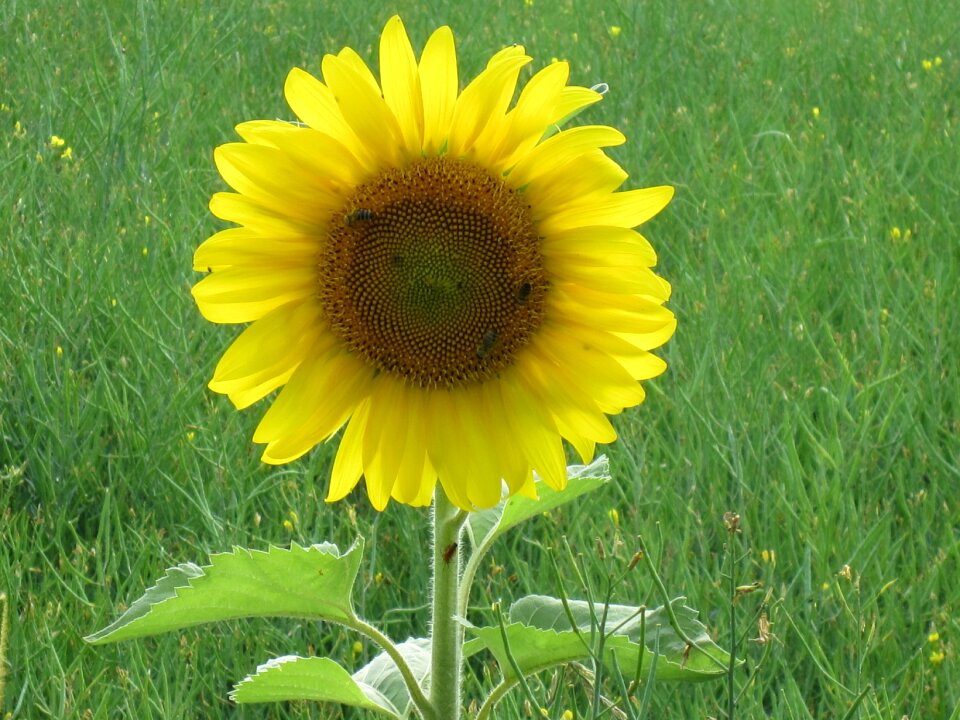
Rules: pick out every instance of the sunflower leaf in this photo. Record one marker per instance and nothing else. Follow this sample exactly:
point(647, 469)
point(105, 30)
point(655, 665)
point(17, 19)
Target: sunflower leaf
point(312, 582)
point(540, 635)
point(485, 526)
point(382, 673)
point(317, 679)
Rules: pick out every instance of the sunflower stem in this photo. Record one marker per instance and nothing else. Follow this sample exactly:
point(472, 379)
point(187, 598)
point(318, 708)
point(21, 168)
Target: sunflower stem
point(446, 634)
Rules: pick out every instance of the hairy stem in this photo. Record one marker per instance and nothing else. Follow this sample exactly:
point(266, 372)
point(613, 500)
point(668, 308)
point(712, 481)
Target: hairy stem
point(446, 634)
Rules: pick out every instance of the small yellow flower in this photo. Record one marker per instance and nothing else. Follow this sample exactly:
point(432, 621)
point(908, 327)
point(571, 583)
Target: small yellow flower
point(145, 251)
point(933, 637)
point(147, 219)
point(937, 61)
point(528, 3)
point(191, 435)
point(294, 518)
point(614, 517)
point(67, 154)
point(769, 556)
point(57, 141)
point(19, 131)
point(567, 715)
point(927, 65)
point(615, 30)
point(895, 233)
point(937, 657)
point(825, 586)
point(113, 302)
point(59, 352)
point(357, 648)
point(288, 526)
point(815, 112)
point(378, 579)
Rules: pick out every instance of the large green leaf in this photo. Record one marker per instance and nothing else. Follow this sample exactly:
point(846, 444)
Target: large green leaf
point(540, 635)
point(312, 582)
point(378, 686)
point(485, 526)
point(317, 679)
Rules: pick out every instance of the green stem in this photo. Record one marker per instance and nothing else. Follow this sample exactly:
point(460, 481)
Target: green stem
point(495, 696)
point(4, 626)
point(731, 684)
point(446, 633)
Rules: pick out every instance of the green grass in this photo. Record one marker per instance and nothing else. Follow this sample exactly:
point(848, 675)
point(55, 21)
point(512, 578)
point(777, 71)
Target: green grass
point(812, 387)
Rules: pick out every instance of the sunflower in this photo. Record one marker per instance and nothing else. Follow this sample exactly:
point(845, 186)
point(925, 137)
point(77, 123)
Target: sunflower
point(448, 274)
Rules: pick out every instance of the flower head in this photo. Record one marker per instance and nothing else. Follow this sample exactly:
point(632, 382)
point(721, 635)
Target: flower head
point(451, 278)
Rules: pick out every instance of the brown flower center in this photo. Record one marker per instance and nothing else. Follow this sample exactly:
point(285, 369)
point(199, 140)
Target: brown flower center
point(433, 273)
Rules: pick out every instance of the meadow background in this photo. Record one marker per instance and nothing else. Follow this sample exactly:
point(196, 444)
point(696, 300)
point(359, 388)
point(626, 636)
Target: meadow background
point(813, 385)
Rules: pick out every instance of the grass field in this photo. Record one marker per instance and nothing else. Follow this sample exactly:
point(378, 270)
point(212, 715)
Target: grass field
point(813, 384)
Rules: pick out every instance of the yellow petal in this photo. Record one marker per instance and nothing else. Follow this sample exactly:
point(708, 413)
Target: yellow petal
point(325, 159)
point(588, 366)
point(572, 100)
point(364, 110)
point(636, 280)
point(525, 124)
point(315, 104)
point(527, 418)
point(505, 446)
point(624, 314)
point(348, 465)
point(273, 179)
point(550, 156)
point(446, 449)
point(415, 477)
point(624, 209)
point(239, 295)
point(601, 246)
point(244, 247)
point(401, 84)
point(575, 413)
point(321, 395)
point(484, 101)
point(439, 86)
point(269, 222)
point(486, 451)
point(384, 440)
point(245, 396)
point(589, 174)
point(272, 347)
